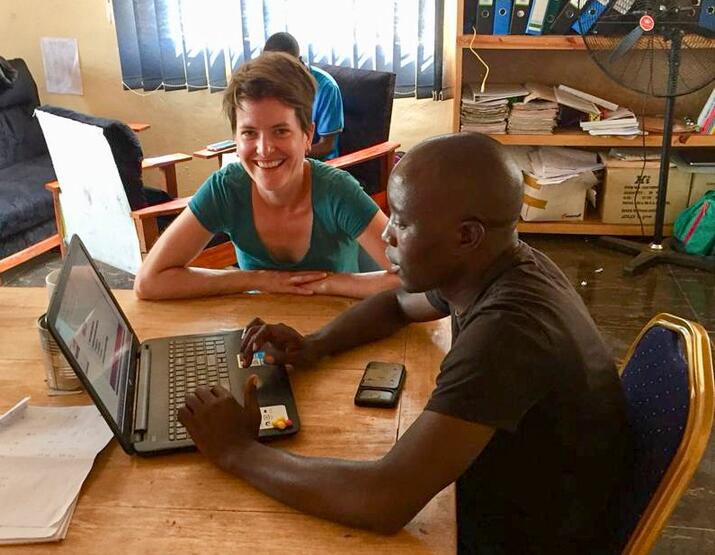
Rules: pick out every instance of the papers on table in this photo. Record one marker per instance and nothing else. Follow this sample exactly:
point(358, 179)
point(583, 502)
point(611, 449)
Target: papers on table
point(45, 456)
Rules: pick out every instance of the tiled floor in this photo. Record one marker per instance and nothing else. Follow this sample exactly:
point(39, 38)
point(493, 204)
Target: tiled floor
point(620, 305)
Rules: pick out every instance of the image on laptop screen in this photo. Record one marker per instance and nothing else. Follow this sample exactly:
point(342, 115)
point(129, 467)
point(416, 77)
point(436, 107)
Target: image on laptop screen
point(96, 334)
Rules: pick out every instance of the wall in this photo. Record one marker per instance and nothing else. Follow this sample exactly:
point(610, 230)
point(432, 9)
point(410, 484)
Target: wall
point(180, 121)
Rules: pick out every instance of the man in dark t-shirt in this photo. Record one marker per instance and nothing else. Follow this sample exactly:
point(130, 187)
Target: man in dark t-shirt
point(527, 416)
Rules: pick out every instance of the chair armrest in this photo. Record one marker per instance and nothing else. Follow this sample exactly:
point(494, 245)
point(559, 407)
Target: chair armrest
point(166, 160)
point(138, 127)
point(370, 153)
point(53, 186)
point(164, 209)
point(145, 220)
point(207, 154)
point(167, 165)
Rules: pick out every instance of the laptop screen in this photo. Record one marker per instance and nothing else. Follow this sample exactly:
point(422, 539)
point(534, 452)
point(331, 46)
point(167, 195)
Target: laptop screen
point(95, 332)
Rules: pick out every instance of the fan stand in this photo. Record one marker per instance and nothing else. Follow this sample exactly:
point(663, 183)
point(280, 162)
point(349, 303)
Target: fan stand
point(659, 251)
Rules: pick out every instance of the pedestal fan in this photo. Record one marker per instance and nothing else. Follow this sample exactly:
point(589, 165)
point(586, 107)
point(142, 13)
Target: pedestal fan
point(660, 48)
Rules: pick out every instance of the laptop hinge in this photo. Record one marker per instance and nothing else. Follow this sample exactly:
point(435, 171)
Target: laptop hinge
point(141, 410)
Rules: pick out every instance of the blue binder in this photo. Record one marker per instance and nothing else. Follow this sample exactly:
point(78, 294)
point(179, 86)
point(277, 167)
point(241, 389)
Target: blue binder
point(707, 15)
point(589, 15)
point(502, 16)
point(485, 17)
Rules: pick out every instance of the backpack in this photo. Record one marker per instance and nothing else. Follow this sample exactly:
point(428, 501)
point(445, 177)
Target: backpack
point(695, 226)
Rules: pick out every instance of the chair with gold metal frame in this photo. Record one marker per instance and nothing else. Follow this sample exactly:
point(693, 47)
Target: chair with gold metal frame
point(668, 383)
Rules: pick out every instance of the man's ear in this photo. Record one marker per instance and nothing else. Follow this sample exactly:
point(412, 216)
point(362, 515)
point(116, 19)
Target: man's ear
point(471, 234)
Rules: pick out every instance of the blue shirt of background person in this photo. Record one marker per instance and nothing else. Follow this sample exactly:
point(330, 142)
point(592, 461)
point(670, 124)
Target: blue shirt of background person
point(341, 212)
point(327, 109)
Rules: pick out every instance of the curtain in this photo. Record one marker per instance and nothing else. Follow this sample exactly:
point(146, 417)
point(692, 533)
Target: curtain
point(196, 44)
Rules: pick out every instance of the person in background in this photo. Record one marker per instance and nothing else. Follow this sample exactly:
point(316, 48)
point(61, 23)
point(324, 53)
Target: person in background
point(296, 224)
point(328, 104)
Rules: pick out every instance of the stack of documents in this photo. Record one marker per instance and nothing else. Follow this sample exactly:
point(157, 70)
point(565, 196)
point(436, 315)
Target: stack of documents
point(537, 117)
point(45, 455)
point(487, 112)
point(554, 164)
point(489, 117)
point(557, 182)
point(619, 122)
point(583, 101)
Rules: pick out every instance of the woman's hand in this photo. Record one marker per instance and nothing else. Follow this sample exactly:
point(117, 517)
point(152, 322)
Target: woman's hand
point(357, 286)
point(276, 281)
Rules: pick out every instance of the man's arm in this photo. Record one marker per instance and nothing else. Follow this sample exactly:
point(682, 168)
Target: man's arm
point(323, 147)
point(373, 318)
point(381, 495)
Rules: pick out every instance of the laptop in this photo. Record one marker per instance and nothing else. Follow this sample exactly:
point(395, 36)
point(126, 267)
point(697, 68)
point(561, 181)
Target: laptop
point(139, 386)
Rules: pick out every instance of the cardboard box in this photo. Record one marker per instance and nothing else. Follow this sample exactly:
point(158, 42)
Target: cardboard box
point(623, 179)
point(556, 202)
point(701, 183)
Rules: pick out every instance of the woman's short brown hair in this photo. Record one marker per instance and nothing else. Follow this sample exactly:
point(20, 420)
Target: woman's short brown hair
point(272, 75)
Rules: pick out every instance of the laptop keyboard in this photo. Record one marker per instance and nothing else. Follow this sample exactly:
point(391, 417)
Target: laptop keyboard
point(192, 363)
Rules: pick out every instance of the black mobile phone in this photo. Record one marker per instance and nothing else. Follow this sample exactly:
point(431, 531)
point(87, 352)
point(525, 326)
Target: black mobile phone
point(380, 385)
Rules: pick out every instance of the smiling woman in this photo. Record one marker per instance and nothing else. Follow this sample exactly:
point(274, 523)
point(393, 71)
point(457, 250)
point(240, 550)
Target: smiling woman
point(297, 225)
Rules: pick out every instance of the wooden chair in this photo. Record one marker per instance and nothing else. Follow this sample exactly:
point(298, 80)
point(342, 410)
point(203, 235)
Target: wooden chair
point(668, 383)
point(99, 194)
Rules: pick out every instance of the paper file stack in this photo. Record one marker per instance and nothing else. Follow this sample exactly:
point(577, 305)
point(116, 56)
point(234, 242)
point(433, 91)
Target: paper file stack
point(487, 111)
point(620, 122)
point(45, 455)
point(537, 117)
point(556, 182)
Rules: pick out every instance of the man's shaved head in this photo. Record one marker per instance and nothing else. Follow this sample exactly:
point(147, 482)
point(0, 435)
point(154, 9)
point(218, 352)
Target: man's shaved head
point(468, 174)
point(455, 203)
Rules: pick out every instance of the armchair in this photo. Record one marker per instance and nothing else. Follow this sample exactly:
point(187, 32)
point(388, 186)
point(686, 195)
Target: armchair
point(27, 226)
point(100, 195)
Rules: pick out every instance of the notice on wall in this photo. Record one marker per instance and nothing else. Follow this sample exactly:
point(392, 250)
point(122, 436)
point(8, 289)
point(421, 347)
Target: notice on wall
point(60, 57)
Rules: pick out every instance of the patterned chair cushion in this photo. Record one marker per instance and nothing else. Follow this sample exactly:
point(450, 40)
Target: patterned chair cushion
point(655, 383)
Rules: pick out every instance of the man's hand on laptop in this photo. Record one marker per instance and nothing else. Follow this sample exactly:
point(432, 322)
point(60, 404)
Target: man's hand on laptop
point(280, 343)
point(218, 424)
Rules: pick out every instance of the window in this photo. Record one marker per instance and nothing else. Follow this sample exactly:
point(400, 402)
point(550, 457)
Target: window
point(196, 44)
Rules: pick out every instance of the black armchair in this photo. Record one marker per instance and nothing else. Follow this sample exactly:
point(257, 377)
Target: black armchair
point(27, 226)
point(367, 106)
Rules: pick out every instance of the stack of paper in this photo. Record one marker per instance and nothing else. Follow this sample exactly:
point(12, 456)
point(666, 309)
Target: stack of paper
point(537, 117)
point(619, 122)
point(487, 112)
point(45, 455)
point(557, 182)
point(487, 117)
point(552, 164)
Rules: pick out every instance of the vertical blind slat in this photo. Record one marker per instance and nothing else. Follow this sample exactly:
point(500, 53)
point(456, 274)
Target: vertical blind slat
point(177, 44)
point(129, 58)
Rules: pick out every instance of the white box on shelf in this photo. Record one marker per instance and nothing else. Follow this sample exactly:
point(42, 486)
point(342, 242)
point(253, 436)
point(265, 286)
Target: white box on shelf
point(556, 202)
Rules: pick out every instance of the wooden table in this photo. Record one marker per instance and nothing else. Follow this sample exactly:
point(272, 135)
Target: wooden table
point(180, 503)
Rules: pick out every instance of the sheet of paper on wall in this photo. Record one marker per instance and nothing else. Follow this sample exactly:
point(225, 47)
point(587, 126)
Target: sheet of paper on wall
point(45, 455)
point(60, 58)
